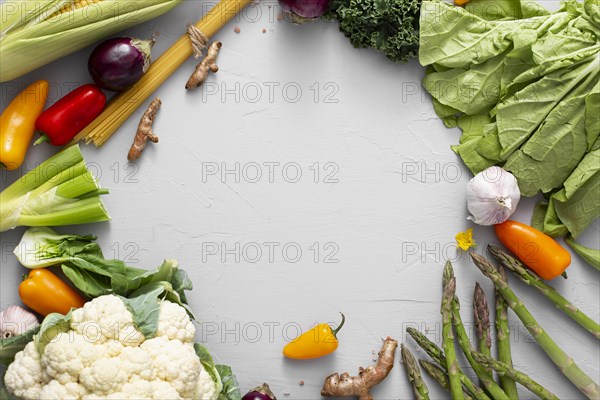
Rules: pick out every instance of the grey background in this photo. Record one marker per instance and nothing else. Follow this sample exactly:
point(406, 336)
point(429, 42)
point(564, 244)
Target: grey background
point(383, 209)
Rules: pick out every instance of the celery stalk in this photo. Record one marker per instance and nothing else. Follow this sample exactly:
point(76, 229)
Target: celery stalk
point(60, 191)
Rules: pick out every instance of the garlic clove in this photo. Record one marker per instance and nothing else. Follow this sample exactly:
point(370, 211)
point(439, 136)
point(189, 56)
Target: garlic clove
point(15, 321)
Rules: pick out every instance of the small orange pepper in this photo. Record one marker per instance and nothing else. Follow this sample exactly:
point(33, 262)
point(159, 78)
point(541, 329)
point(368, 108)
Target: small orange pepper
point(17, 124)
point(314, 343)
point(46, 293)
point(538, 251)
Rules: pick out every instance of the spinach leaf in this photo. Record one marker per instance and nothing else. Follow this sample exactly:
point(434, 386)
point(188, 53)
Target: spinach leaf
point(519, 116)
point(546, 220)
point(479, 39)
point(523, 85)
point(472, 91)
point(506, 9)
point(582, 208)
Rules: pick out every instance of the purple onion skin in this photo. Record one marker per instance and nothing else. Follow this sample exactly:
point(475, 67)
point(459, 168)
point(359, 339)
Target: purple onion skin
point(255, 396)
point(262, 392)
point(300, 11)
point(117, 64)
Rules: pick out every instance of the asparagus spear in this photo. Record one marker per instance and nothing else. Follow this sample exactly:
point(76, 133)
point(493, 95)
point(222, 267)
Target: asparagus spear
point(564, 363)
point(438, 356)
point(532, 279)
point(465, 344)
point(440, 376)
point(481, 313)
point(448, 341)
point(503, 340)
point(414, 374)
point(523, 379)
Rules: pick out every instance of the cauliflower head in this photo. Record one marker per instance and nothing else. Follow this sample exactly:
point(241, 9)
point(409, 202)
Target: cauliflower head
point(104, 356)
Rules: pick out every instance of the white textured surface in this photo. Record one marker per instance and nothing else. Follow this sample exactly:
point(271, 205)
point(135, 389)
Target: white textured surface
point(389, 220)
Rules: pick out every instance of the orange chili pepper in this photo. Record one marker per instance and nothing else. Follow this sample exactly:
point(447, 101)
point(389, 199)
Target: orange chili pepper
point(45, 293)
point(538, 251)
point(317, 342)
point(17, 124)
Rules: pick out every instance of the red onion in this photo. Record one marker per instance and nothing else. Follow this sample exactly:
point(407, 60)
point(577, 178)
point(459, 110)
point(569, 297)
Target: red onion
point(300, 11)
point(262, 392)
point(117, 64)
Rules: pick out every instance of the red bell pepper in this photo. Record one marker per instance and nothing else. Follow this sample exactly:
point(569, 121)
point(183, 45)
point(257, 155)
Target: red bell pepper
point(62, 121)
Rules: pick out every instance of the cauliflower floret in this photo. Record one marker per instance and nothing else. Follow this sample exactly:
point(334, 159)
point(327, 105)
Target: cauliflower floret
point(24, 376)
point(104, 356)
point(206, 389)
point(163, 391)
point(105, 376)
point(158, 390)
point(68, 354)
point(106, 318)
point(174, 323)
point(54, 390)
point(174, 362)
point(137, 363)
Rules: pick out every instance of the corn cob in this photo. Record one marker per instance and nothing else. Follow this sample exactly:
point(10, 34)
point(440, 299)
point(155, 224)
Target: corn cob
point(34, 35)
point(72, 6)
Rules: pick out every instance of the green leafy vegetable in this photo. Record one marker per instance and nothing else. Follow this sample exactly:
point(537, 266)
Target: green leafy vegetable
point(53, 325)
point(84, 265)
point(523, 85)
point(592, 256)
point(145, 309)
point(390, 26)
point(209, 365)
point(59, 191)
point(12, 345)
point(231, 390)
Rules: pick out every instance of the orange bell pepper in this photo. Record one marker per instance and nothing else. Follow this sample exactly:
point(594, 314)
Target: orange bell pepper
point(314, 343)
point(538, 251)
point(17, 124)
point(45, 293)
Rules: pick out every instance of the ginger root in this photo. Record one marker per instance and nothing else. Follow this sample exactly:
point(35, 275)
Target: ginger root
point(208, 64)
point(360, 386)
point(144, 131)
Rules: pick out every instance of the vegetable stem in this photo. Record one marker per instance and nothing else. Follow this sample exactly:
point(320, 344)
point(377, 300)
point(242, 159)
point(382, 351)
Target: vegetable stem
point(564, 363)
point(465, 344)
point(448, 340)
point(550, 292)
point(506, 370)
point(503, 341)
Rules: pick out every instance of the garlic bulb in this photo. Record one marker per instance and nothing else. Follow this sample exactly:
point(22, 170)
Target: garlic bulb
point(492, 196)
point(16, 320)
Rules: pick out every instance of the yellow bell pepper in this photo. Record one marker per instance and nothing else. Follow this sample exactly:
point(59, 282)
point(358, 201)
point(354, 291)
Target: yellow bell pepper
point(17, 124)
point(317, 342)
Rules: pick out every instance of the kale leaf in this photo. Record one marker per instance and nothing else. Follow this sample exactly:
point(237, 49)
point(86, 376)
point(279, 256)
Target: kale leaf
point(390, 26)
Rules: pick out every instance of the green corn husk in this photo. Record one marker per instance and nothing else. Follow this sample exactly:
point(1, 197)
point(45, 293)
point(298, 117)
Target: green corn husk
point(34, 33)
